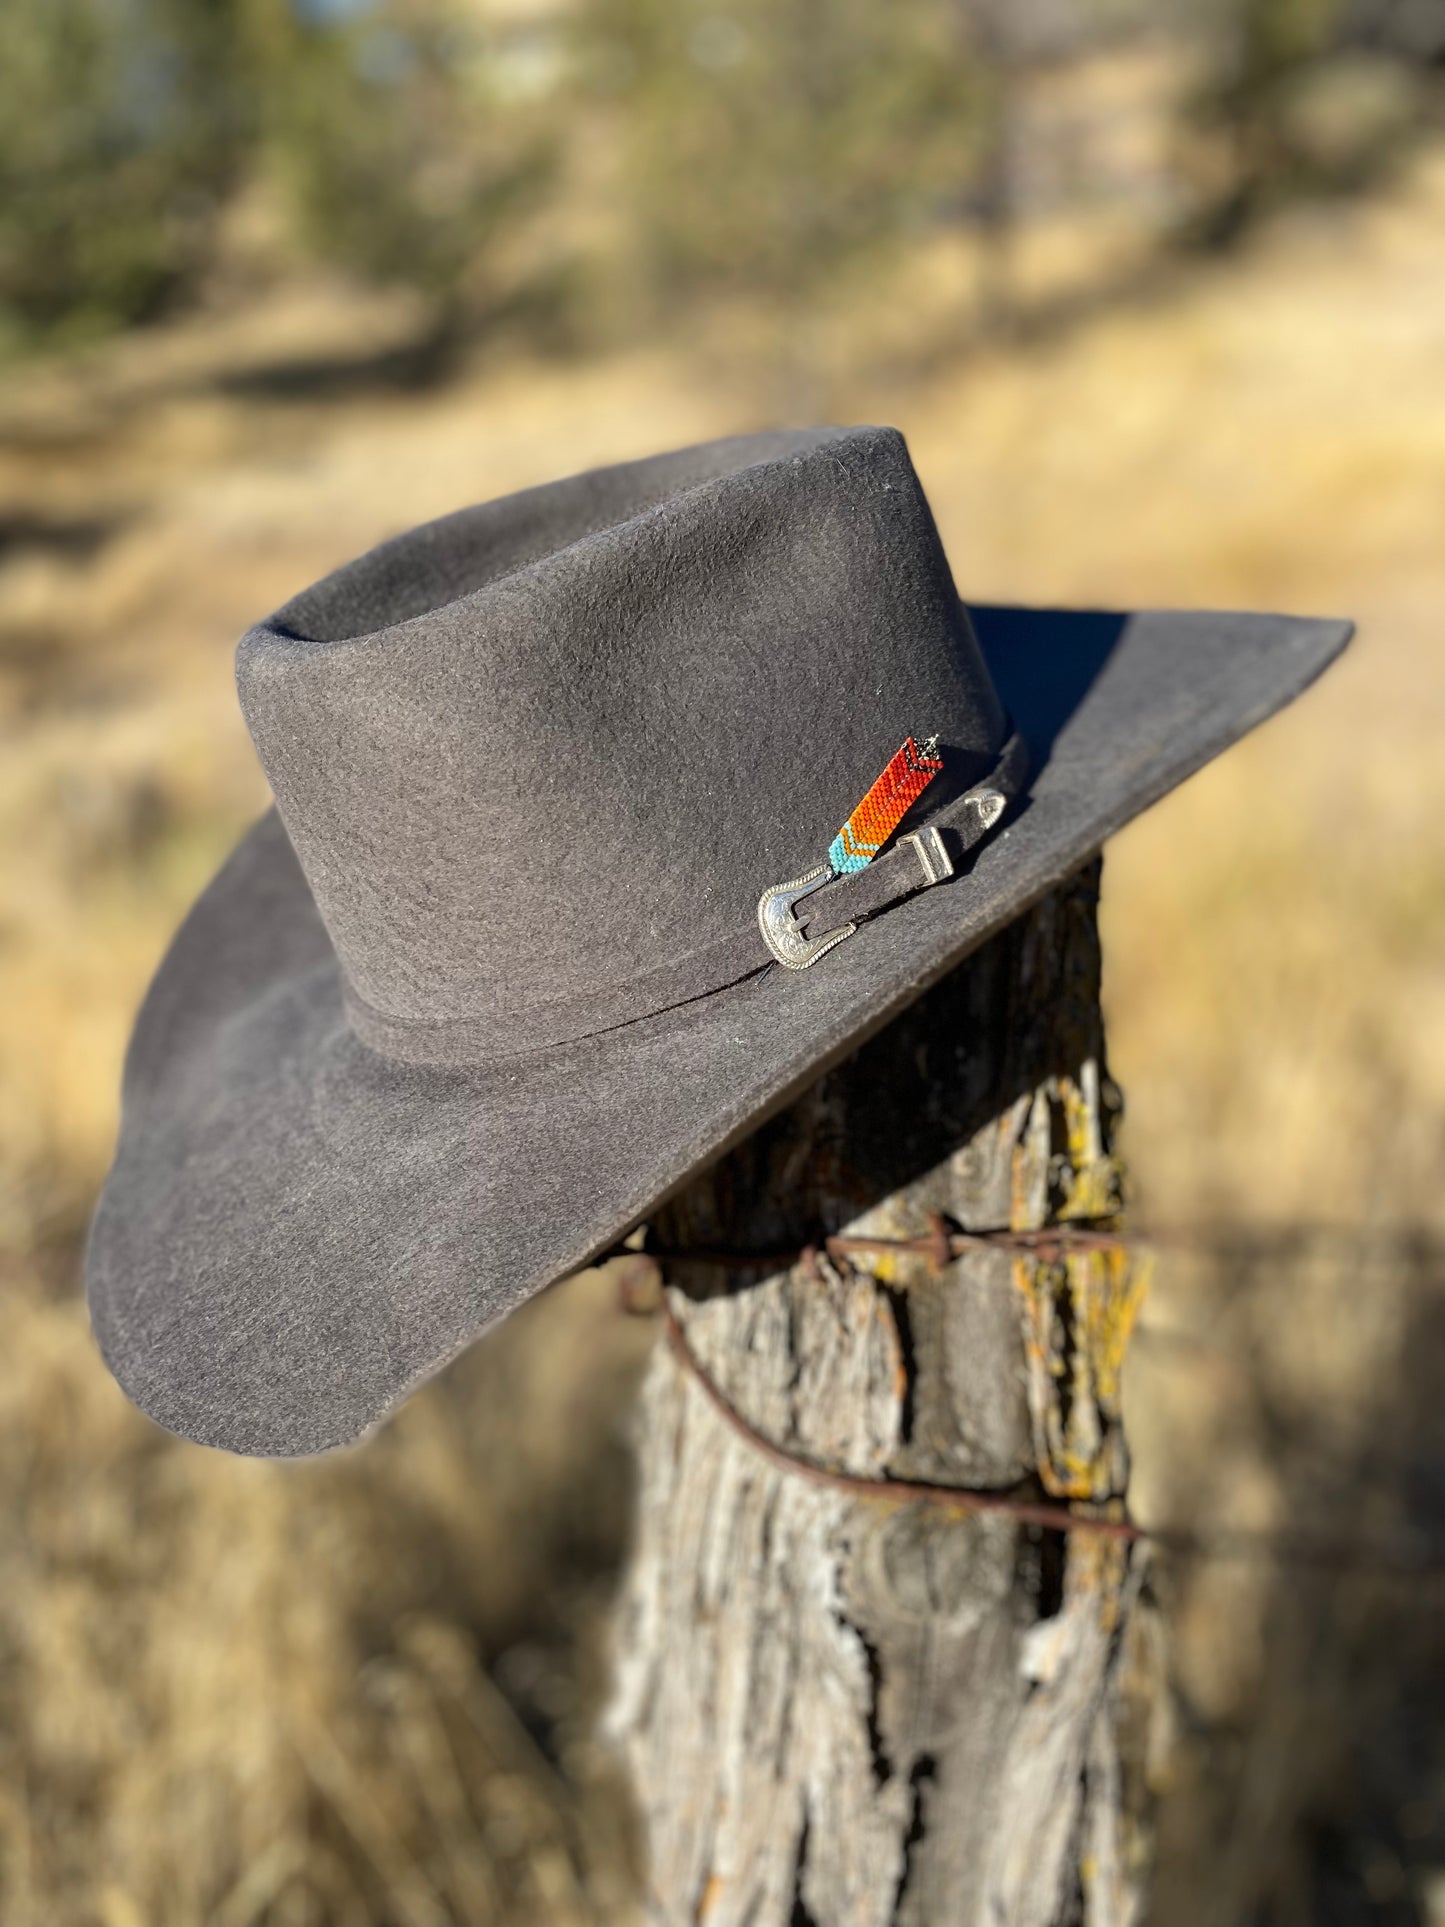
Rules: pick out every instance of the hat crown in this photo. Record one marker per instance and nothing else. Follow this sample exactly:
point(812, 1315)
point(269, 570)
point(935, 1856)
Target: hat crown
point(541, 747)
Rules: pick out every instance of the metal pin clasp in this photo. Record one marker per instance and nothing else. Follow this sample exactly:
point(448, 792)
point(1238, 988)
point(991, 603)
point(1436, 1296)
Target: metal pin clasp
point(932, 854)
point(780, 928)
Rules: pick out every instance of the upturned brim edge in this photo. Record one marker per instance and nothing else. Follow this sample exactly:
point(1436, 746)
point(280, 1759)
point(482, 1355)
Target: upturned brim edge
point(297, 1232)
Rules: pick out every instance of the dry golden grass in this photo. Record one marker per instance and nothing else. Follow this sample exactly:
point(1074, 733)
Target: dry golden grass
point(234, 1693)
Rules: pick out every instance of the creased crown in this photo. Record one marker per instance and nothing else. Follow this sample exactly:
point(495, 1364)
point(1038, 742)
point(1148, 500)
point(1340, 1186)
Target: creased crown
point(538, 748)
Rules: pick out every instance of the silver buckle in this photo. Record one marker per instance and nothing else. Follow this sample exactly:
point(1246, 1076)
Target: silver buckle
point(779, 926)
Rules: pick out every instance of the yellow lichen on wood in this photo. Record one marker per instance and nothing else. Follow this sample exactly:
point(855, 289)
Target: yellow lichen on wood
point(1118, 1287)
point(1092, 1180)
point(711, 1893)
point(1095, 1569)
point(1079, 1315)
point(1079, 1310)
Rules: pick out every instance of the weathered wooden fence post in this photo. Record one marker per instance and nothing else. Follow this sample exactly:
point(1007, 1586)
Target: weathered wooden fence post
point(841, 1709)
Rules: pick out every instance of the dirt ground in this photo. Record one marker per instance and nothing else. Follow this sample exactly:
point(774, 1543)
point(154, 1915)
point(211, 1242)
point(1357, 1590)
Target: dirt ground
point(357, 1691)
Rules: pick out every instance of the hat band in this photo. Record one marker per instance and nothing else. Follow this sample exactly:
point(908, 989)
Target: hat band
point(805, 919)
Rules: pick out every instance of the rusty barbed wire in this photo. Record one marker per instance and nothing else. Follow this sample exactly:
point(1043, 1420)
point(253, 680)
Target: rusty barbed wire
point(954, 1498)
point(943, 1243)
point(939, 1247)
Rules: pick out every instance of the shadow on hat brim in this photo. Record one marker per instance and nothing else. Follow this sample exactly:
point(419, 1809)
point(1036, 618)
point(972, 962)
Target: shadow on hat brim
point(297, 1232)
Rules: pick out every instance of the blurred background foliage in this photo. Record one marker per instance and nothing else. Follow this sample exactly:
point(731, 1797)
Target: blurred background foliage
point(766, 146)
point(151, 150)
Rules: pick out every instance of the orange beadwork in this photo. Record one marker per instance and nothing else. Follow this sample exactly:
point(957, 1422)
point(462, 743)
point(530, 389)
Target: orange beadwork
point(884, 807)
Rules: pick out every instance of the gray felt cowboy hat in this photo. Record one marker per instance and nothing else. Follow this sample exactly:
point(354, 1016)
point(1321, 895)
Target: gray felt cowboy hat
point(566, 889)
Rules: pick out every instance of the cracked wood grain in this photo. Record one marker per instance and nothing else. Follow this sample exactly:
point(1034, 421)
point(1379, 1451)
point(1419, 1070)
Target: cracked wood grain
point(855, 1713)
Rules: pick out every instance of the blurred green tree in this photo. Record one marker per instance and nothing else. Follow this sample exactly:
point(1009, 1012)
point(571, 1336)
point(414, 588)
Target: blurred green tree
point(768, 143)
point(122, 127)
point(400, 155)
point(126, 125)
point(1304, 96)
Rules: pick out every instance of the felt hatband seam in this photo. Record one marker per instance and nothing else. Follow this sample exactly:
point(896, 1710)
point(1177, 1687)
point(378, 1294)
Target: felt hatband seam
point(851, 898)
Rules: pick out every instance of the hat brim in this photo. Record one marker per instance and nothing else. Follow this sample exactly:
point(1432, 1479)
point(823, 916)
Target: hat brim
point(297, 1232)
